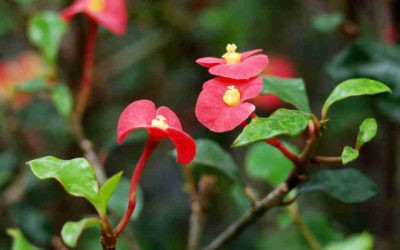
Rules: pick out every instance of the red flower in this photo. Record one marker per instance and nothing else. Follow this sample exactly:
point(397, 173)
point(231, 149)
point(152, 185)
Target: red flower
point(235, 65)
point(160, 123)
point(221, 104)
point(110, 13)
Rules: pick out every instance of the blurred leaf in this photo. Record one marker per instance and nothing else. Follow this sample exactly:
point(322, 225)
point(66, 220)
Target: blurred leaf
point(72, 230)
point(33, 86)
point(210, 154)
point(281, 122)
point(267, 163)
point(374, 60)
point(76, 176)
point(284, 219)
point(290, 90)
point(107, 190)
point(7, 19)
point(20, 242)
point(349, 154)
point(239, 198)
point(8, 162)
point(346, 185)
point(119, 200)
point(363, 241)
point(327, 23)
point(354, 87)
point(23, 2)
point(368, 129)
point(62, 99)
point(45, 31)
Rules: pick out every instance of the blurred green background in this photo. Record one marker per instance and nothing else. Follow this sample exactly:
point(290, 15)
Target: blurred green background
point(323, 42)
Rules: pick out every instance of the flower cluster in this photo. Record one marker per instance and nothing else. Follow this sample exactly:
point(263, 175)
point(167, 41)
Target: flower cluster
point(222, 104)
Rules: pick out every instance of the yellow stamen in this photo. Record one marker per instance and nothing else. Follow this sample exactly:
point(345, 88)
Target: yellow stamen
point(160, 122)
point(96, 6)
point(231, 56)
point(232, 96)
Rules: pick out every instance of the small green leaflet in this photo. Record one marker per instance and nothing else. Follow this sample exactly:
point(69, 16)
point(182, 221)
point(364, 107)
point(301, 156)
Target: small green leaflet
point(349, 154)
point(368, 129)
point(107, 190)
point(62, 99)
point(20, 242)
point(327, 22)
point(363, 241)
point(72, 230)
point(290, 90)
point(281, 122)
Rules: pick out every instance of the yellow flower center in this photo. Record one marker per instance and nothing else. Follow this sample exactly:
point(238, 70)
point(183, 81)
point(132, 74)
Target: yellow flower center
point(232, 96)
point(96, 6)
point(160, 122)
point(231, 56)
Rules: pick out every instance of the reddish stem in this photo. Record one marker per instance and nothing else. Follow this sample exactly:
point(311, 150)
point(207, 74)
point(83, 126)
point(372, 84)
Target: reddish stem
point(279, 145)
point(87, 74)
point(151, 144)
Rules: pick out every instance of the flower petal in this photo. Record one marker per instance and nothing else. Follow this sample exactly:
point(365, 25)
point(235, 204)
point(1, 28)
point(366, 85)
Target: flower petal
point(172, 119)
point(184, 144)
point(214, 114)
point(209, 62)
point(248, 89)
point(249, 53)
point(75, 8)
point(243, 70)
point(114, 16)
point(138, 114)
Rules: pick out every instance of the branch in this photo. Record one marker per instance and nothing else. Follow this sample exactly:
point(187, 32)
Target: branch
point(326, 159)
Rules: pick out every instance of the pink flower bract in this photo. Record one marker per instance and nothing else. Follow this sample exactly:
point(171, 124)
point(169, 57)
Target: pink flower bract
point(160, 123)
point(111, 13)
point(213, 111)
point(249, 66)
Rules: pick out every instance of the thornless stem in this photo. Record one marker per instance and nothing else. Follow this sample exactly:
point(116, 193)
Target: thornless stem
point(150, 145)
point(87, 73)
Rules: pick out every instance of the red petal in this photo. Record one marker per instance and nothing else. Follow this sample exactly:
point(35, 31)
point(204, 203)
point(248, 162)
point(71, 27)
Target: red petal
point(214, 114)
point(249, 53)
point(75, 8)
point(248, 89)
point(137, 115)
point(184, 144)
point(209, 62)
point(172, 119)
point(114, 17)
point(243, 70)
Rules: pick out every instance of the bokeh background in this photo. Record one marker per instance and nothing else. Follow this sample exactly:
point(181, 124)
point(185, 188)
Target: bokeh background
point(323, 42)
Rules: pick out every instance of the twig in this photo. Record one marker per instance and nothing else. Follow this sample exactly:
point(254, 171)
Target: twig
point(326, 159)
point(308, 235)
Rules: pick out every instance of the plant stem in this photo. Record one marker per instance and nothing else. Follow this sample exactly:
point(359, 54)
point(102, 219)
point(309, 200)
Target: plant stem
point(275, 142)
point(87, 73)
point(298, 221)
point(151, 144)
point(327, 159)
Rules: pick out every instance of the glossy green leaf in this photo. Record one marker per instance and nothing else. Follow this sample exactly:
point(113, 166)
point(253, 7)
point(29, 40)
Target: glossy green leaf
point(363, 241)
point(33, 86)
point(346, 185)
point(45, 31)
point(267, 163)
point(354, 87)
point(62, 99)
point(76, 176)
point(290, 90)
point(212, 155)
point(119, 200)
point(72, 230)
point(19, 240)
point(281, 122)
point(368, 129)
point(349, 154)
point(107, 190)
point(327, 23)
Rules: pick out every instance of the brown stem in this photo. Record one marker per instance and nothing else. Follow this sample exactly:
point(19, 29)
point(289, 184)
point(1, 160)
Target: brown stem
point(326, 159)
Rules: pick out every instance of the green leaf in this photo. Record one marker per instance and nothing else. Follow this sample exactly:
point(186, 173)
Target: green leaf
point(20, 242)
point(119, 201)
point(33, 86)
point(62, 99)
point(368, 129)
point(76, 176)
point(290, 90)
point(346, 185)
point(8, 162)
point(327, 23)
point(107, 190)
point(72, 230)
point(354, 87)
point(45, 30)
point(281, 122)
point(363, 241)
point(267, 163)
point(349, 154)
point(212, 155)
